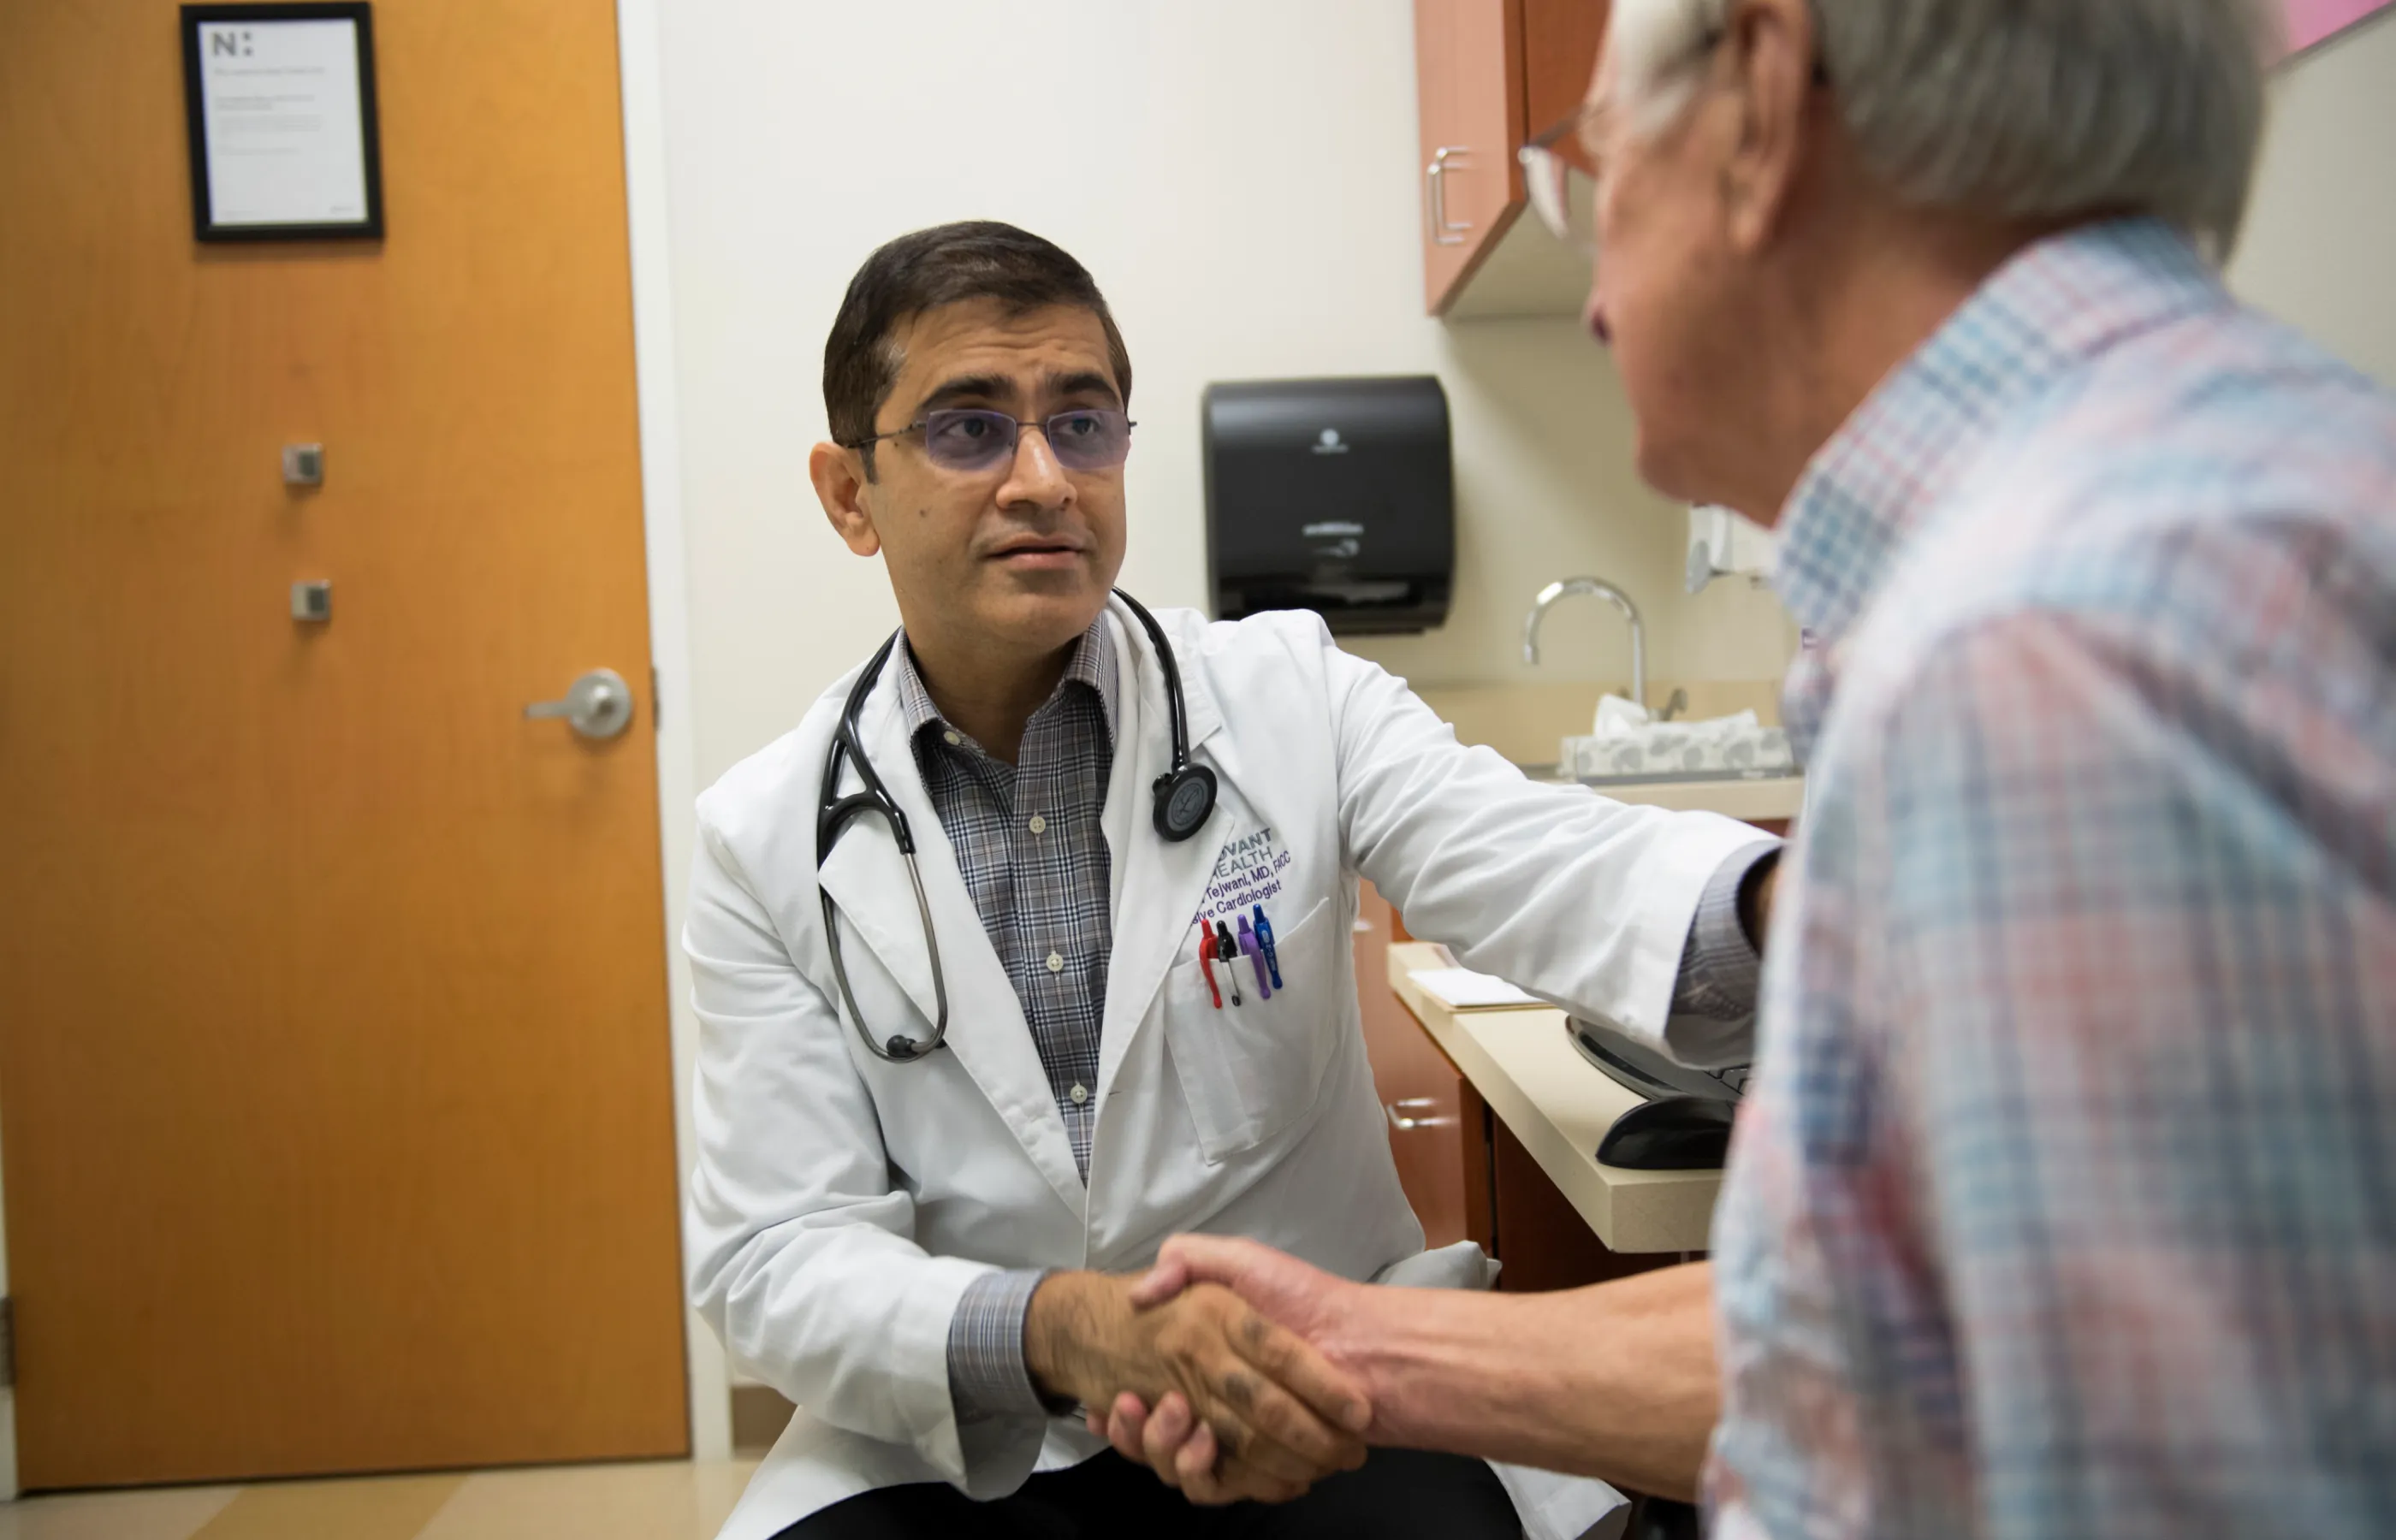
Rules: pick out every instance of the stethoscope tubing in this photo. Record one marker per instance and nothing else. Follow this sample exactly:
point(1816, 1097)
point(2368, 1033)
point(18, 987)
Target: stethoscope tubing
point(834, 813)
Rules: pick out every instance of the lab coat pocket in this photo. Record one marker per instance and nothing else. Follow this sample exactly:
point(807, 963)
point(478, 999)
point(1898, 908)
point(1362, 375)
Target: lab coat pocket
point(1250, 1069)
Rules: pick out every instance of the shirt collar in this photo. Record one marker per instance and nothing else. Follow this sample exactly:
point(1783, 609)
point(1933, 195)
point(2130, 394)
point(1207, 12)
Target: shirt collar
point(1092, 666)
point(2055, 304)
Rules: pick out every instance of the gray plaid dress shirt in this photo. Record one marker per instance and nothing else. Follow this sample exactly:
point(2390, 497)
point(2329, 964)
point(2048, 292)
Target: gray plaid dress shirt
point(1027, 841)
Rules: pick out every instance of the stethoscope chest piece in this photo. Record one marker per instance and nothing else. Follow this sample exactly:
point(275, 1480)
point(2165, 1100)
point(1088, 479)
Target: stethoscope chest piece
point(1184, 800)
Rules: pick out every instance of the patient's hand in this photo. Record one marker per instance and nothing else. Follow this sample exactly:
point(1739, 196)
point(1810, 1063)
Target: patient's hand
point(1275, 1416)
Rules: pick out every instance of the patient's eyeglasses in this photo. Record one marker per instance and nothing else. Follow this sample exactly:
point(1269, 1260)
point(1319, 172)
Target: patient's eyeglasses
point(971, 438)
point(1563, 196)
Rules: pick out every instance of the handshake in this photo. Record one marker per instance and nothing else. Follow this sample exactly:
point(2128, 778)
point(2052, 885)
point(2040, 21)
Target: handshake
point(1229, 1393)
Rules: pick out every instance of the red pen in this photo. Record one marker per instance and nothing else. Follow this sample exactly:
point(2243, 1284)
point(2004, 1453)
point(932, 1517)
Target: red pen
point(1207, 961)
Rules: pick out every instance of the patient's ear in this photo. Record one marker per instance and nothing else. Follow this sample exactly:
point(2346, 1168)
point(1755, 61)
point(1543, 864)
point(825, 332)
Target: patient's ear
point(839, 475)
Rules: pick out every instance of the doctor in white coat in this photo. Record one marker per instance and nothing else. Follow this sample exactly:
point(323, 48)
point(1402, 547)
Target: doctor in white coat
point(970, 1047)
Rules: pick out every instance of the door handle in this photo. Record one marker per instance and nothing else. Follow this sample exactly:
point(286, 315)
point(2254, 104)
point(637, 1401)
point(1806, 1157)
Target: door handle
point(1435, 185)
point(598, 705)
point(1405, 1123)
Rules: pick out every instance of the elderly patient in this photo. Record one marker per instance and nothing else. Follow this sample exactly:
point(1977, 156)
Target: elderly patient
point(2064, 1200)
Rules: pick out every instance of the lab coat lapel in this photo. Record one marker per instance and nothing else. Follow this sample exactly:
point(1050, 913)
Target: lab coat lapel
point(1158, 885)
point(867, 879)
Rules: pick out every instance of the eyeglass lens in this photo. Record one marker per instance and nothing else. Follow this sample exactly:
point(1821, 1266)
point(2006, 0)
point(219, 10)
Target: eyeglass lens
point(973, 439)
point(1563, 196)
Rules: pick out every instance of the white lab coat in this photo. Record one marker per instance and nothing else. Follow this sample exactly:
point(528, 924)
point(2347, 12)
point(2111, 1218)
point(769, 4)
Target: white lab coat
point(841, 1203)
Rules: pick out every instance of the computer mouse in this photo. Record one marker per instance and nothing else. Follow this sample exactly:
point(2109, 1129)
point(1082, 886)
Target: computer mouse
point(1670, 1134)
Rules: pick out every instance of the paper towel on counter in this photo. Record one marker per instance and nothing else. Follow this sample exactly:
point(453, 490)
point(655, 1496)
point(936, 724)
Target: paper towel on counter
point(1625, 740)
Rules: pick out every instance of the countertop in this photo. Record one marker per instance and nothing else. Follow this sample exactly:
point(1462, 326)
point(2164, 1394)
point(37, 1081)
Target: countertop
point(1558, 1107)
point(1748, 798)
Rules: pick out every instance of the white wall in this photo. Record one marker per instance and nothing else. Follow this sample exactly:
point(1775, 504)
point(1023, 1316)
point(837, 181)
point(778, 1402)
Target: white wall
point(2320, 249)
point(1240, 177)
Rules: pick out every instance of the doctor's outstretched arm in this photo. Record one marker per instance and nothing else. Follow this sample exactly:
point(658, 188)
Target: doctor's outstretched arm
point(1637, 916)
point(1616, 1380)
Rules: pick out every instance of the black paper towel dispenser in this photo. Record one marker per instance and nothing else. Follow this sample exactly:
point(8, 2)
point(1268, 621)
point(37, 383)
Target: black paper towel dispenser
point(1337, 496)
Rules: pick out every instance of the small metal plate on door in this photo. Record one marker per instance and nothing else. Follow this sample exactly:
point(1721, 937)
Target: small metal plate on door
point(312, 601)
point(304, 464)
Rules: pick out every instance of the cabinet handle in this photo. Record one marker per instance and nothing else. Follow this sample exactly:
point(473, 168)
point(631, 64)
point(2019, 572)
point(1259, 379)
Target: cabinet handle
point(1403, 1124)
point(1435, 185)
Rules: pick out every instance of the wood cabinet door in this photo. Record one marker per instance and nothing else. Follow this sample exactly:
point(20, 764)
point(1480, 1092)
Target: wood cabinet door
point(1424, 1099)
point(1541, 1238)
point(1560, 43)
point(1469, 86)
point(337, 1096)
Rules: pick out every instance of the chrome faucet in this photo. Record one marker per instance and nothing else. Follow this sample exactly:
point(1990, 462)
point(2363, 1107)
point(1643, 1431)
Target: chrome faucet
point(1596, 588)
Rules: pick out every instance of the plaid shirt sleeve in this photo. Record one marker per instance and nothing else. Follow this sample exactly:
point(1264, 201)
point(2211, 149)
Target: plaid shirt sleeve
point(987, 1377)
point(1714, 1000)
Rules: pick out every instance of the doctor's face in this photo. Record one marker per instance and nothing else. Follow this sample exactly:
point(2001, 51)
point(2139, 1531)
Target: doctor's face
point(1011, 550)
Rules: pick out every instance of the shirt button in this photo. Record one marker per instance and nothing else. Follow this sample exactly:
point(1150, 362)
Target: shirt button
point(955, 738)
point(1080, 1095)
point(1055, 964)
point(1038, 825)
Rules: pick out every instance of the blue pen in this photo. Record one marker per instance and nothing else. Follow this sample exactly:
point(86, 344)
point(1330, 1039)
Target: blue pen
point(1265, 940)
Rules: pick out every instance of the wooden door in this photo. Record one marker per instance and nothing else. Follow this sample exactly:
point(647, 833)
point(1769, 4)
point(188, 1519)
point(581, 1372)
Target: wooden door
point(1469, 86)
point(335, 1077)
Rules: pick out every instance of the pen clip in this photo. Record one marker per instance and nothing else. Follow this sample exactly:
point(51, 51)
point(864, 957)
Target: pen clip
point(1207, 961)
point(1227, 952)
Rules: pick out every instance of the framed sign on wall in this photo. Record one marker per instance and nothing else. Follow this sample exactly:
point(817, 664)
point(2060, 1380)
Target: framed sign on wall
point(281, 99)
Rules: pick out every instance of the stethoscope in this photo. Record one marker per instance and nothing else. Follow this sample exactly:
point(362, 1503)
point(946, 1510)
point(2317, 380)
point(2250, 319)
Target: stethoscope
point(1184, 801)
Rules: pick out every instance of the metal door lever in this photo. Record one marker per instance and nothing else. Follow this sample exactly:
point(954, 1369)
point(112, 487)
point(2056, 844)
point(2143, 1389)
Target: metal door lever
point(598, 705)
point(1403, 1124)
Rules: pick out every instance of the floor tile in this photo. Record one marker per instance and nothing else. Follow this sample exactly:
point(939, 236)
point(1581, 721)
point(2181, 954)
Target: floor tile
point(661, 1500)
point(172, 1513)
point(366, 1508)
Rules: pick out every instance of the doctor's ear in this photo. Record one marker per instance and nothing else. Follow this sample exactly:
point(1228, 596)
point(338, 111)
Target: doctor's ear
point(839, 475)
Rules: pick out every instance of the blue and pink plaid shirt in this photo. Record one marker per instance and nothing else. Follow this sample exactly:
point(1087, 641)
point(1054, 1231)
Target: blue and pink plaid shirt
point(2064, 1200)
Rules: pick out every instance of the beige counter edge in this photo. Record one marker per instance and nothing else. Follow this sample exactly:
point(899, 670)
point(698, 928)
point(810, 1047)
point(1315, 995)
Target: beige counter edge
point(1528, 1071)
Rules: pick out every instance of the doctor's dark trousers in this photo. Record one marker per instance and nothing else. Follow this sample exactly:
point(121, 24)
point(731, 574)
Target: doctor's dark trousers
point(1397, 1495)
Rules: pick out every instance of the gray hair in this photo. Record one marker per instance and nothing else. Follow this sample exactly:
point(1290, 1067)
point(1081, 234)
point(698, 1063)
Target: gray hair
point(2016, 109)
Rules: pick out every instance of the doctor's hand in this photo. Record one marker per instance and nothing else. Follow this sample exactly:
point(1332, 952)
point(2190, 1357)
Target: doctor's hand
point(1163, 1433)
point(1277, 1417)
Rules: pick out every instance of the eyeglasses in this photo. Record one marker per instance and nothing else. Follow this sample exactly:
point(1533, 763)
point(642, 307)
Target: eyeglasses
point(970, 438)
point(1563, 196)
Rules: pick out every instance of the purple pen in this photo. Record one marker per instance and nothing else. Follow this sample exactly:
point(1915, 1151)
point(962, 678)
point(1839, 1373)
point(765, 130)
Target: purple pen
point(1256, 954)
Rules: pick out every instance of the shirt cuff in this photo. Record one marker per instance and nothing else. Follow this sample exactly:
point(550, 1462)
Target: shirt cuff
point(1720, 967)
point(986, 1374)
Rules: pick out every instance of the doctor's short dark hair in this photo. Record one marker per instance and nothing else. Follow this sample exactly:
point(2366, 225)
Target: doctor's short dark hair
point(945, 265)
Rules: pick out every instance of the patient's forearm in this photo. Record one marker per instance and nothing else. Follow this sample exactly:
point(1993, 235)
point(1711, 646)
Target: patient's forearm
point(1616, 1380)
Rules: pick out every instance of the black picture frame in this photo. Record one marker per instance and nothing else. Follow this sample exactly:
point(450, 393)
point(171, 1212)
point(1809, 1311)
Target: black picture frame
point(361, 12)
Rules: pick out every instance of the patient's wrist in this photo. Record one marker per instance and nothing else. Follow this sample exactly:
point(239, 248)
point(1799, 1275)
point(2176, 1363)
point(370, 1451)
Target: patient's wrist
point(1381, 1341)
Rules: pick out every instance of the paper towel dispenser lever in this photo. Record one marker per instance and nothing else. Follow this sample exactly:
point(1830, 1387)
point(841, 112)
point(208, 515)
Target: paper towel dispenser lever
point(1337, 496)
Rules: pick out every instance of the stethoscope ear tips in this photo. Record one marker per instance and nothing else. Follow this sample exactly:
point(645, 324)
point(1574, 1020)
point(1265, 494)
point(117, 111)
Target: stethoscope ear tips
point(1184, 800)
point(902, 1048)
